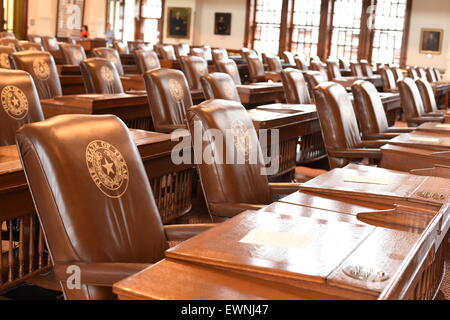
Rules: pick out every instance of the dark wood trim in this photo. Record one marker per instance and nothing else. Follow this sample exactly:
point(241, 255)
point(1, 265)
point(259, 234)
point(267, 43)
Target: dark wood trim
point(326, 28)
point(406, 30)
point(365, 34)
point(286, 28)
point(162, 21)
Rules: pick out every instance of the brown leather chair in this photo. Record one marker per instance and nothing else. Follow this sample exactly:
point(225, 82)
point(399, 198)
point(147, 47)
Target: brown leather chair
point(295, 88)
point(208, 53)
point(134, 45)
point(274, 64)
point(182, 50)
point(168, 53)
point(428, 98)
point(256, 70)
point(398, 73)
point(5, 57)
point(219, 54)
point(288, 58)
point(438, 74)
point(50, 44)
point(366, 68)
point(146, 60)
point(10, 42)
point(412, 73)
point(334, 73)
point(412, 104)
point(111, 55)
point(35, 38)
point(73, 54)
point(194, 68)
point(120, 47)
point(300, 63)
point(104, 221)
point(6, 34)
point(30, 46)
point(219, 85)
point(169, 97)
point(19, 104)
point(357, 70)
point(340, 128)
point(242, 186)
point(101, 76)
point(371, 114)
point(388, 80)
point(313, 79)
point(41, 66)
point(431, 75)
point(319, 66)
point(245, 52)
point(198, 52)
point(343, 63)
point(422, 73)
point(229, 67)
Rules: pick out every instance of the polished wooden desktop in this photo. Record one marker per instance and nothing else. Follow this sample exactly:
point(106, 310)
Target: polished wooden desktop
point(261, 93)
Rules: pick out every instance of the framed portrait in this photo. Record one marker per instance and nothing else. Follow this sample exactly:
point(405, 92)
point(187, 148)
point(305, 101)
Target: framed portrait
point(431, 41)
point(222, 24)
point(69, 18)
point(179, 22)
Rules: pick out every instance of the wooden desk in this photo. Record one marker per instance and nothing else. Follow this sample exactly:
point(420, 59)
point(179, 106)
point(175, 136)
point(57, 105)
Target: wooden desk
point(424, 140)
point(170, 64)
point(72, 84)
point(261, 93)
point(131, 108)
point(442, 128)
point(442, 92)
point(171, 186)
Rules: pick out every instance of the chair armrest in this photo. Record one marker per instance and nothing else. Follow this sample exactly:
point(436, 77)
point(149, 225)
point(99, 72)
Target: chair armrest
point(357, 153)
point(231, 209)
point(169, 128)
point(400, 130)
point(284, 188)
point(425, 119)
point(184, 232)
point(99, 274)
point(380, 136)
point(434, 114)
point(373, 143)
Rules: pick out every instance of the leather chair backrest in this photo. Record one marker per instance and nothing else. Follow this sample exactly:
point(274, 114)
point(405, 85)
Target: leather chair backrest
point(100, 76)
point(366, 68)
point(198, 52)
point(427, 94)
point(431, 75)
point(41, 66)
point(10, 42)
point(194, 68)
point(387, 79)
point(343, 63)
point(369, 108)
point(111, 55)
point(219, 85)
point(35, 39)
point(168, 53)
point(313, 79)
point(245, 53)
point(92, 194)
point(73, 54)
point(229, 67)
point(169, 97)
point(207, 53)
point(288, 58)
point(19, 104)
point(438, 74)
point(30, 46)
point(220, 54)
point(333, 70)
point(134, 45)
point(274, 64)
point(398, 74)
point(357, 70)
point(422, 73)
point(255, 69)
point(318, 66)
point(412, 73)
point(411, 99)
point(224, 182)
point(121, 47)
point(300, 63)
point(295, 88)
point(50, 44)
point(182, 50)
point(5, 57)
point(146, 60)
point(337, 120)
point(6, 34)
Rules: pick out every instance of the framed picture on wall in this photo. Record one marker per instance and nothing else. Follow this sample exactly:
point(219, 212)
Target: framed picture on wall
point(431, 41)
point(222, 24)
point(179, 22)
point(69, 18)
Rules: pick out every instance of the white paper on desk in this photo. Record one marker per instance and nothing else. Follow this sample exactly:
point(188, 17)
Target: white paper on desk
point(277, 239)
point(444, 126)
point(424, 139)
point(370, 180)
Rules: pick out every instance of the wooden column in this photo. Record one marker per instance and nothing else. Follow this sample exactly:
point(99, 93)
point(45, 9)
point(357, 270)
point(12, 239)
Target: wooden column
point(326, 22)
point(286, 26)
point(404, 53)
